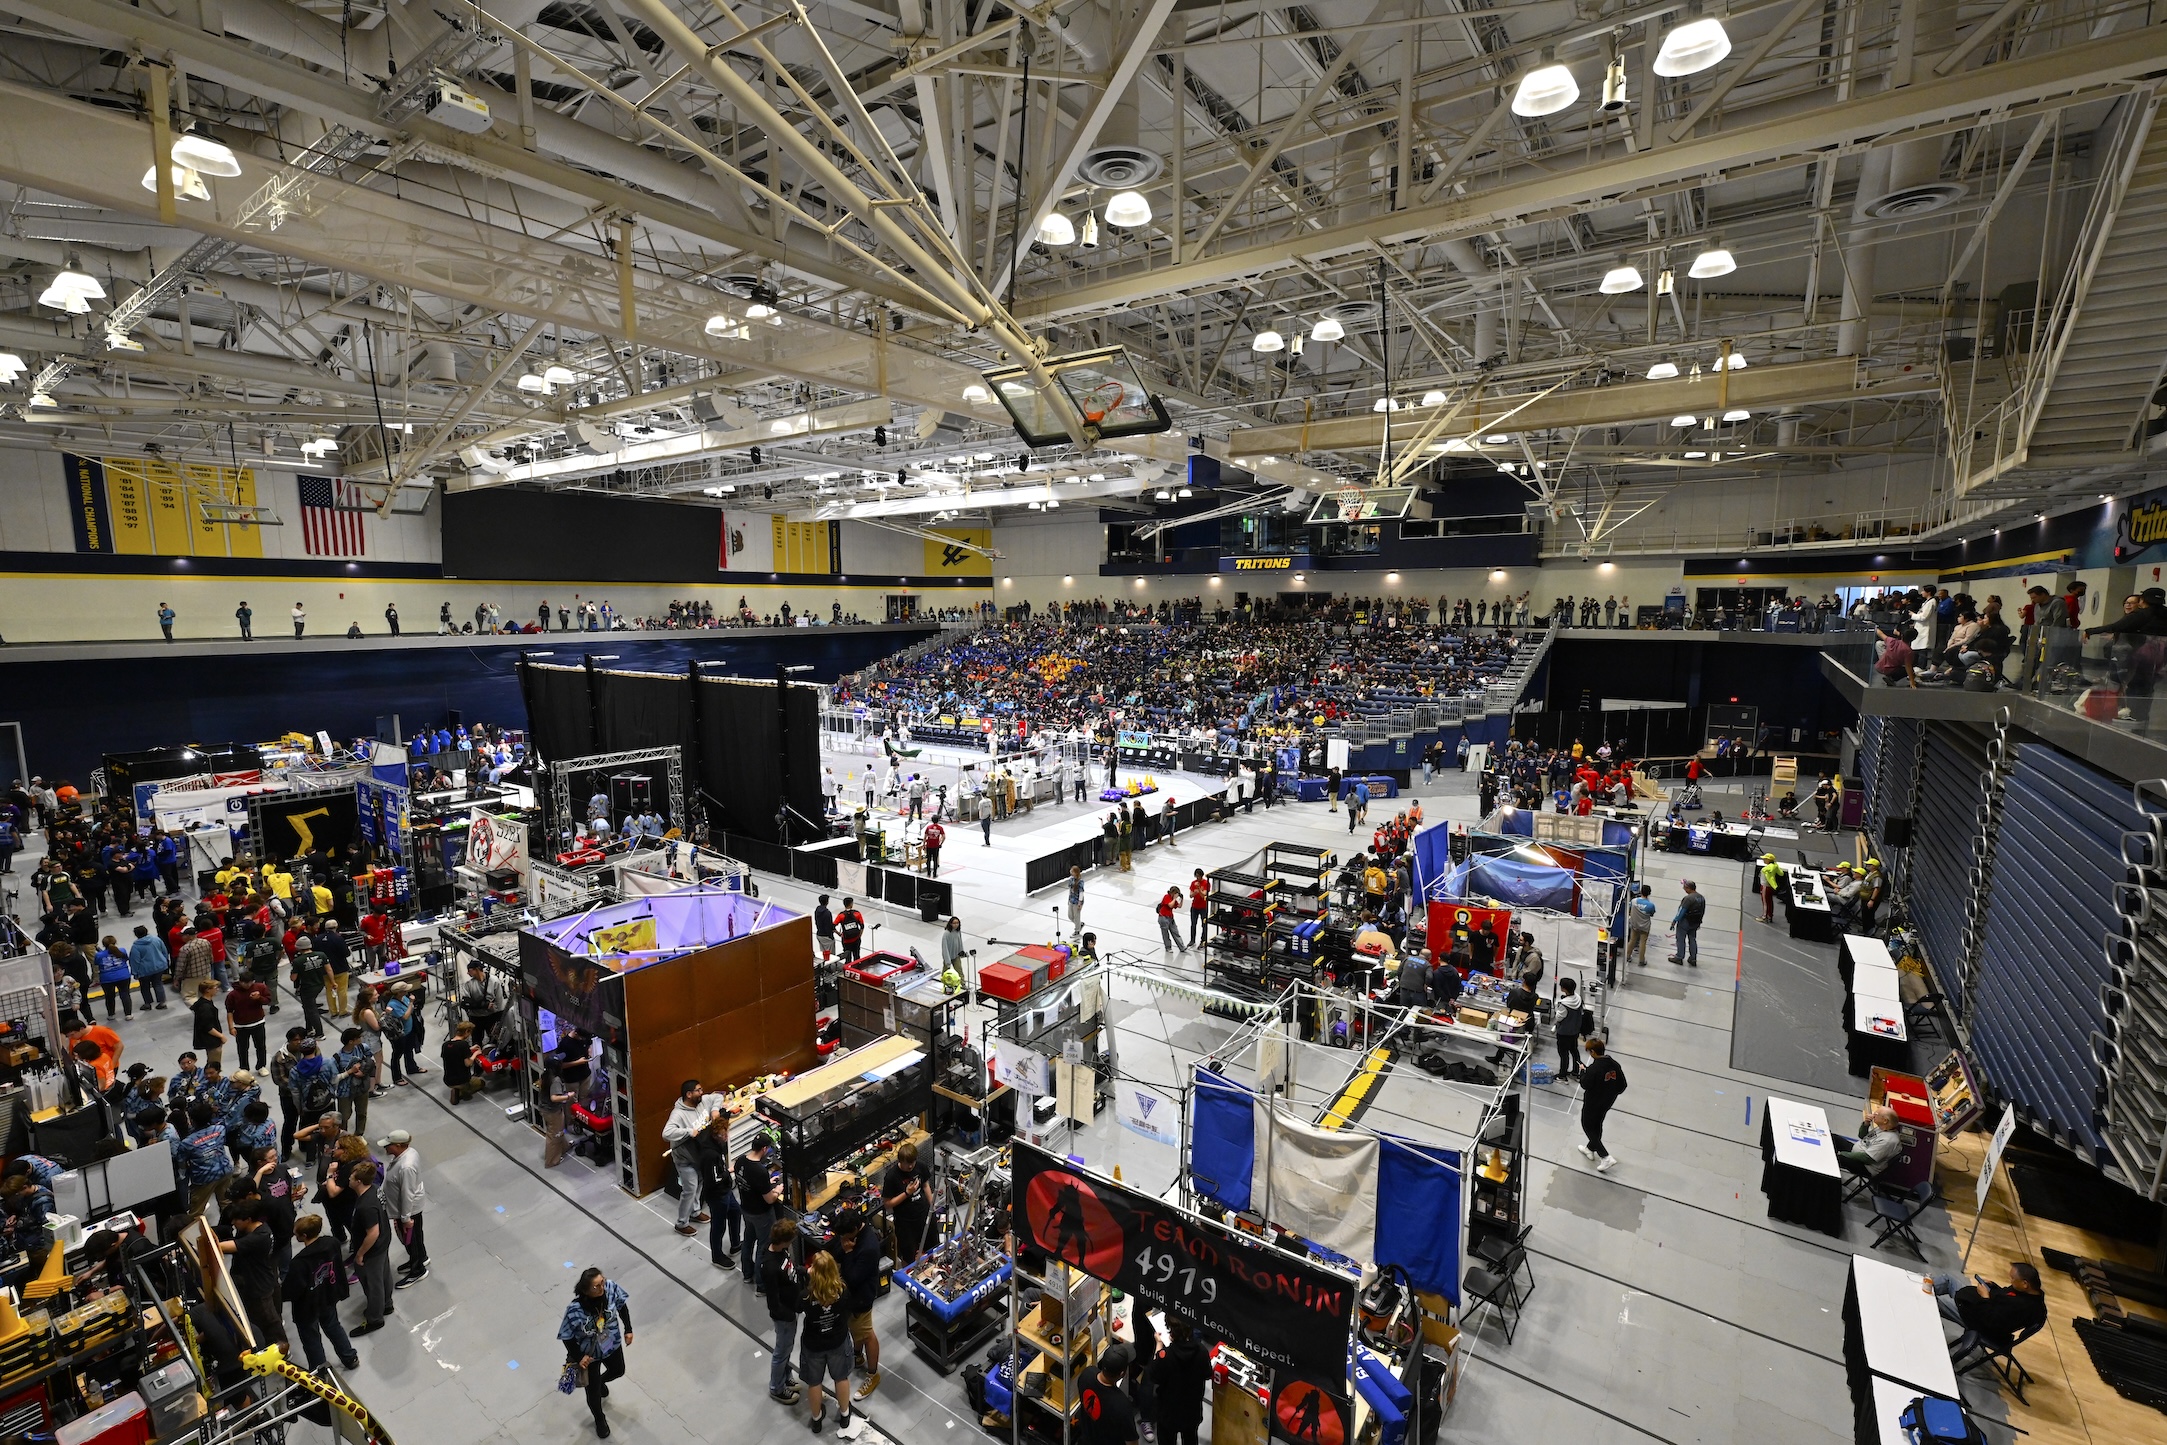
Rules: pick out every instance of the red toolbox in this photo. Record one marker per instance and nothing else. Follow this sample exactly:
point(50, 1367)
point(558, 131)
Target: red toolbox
point(1024, 972)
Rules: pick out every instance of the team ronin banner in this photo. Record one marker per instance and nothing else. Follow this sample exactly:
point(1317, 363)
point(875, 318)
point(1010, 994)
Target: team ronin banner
point(1280, 1311)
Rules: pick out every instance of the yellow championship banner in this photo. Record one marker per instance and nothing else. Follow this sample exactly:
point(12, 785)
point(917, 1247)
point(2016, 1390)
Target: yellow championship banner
point(807, 546)
point(947, 559)
point(152, 508)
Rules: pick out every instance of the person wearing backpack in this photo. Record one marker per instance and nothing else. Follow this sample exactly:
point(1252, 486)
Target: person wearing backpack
point(850, 929)
point(1573, 1020)
point(307, 975)
point(1601, 1082)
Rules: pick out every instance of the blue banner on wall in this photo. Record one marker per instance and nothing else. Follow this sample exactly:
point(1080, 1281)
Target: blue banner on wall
point(87, 513)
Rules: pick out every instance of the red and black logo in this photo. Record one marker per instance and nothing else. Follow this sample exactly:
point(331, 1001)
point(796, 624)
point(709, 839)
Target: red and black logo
point(1306, 1413)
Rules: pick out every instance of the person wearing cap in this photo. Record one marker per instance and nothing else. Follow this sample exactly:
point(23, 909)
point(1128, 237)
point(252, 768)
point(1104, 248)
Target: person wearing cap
point(757, 1194)
point(404, 1199)
point(1870, 891)
point(1107, 1416)
point(1771, 880)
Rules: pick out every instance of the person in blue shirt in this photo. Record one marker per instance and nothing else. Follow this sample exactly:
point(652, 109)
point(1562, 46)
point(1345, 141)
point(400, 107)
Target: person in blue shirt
point(168, 854)
point(201, 1156)
point(116, 978)
point(11, 842)
point(251, 1130)
point(149, 962)
point(355, 1065)
point(216, 1088)
point(166, 618)
point(596, 1327)
point(143, 871)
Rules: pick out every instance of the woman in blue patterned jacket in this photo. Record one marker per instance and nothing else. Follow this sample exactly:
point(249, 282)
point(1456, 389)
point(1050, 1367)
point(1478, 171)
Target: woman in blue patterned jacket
point(596, 1328)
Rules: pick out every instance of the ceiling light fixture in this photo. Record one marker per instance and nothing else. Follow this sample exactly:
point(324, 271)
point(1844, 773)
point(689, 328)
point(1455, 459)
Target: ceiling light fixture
point(976, 392)
point(1128, 208)
point(1327, 329)
point(1614, 85)
point(72, 291)
point(1693, 47)
point(1621, 278)
point(1738, 413)
point(1267, 340)
point(559, 375)
point(201, 153)
point(532, 382)
point(1663, 370)
point(1545, 90)
point(1056, 230)
point(186, 183)
point(1695, 456)
point(1385, 403)
point(1738, 362)
point(1433, 398)
point(11, 366)
point(1089, 237)
point(1184, 493)
point(1713, 262)
point(1683, 420)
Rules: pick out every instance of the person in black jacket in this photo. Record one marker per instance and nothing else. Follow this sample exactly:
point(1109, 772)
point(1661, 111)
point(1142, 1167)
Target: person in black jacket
point(781, 1283)
point(757, 1193)
point(314, 1285)
point(1992, 1314)
point(711, 1162)
point(858, 1251)
point(1600, 1084)
point(1178, 1379)
point(824, 1354)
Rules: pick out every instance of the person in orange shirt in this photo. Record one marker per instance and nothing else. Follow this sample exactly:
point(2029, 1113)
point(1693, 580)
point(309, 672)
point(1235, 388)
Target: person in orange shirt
point(109, 1047)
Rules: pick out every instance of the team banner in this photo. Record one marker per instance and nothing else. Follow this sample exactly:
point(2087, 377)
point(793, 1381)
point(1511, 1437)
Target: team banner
point(291, 824)
point(1281, 1311)
point(949, 554)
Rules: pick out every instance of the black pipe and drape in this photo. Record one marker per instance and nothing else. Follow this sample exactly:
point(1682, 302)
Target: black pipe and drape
point(737, 749)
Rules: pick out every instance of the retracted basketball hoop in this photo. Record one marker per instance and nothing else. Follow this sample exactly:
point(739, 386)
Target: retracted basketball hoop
point(1102, 388)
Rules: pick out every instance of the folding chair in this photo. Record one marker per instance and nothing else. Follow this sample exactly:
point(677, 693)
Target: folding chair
point(1922, 1015)
point(1897, 1218)
point(2003, 1357)
point(1494, 1249)
point(1496, 1287)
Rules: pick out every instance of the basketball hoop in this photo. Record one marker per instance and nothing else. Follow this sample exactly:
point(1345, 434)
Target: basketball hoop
point(1350, 501)
point(1099, 400)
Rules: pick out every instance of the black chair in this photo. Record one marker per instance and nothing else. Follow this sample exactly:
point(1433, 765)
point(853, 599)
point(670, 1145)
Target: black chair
point(1494, 1249)
point(2002, 1356)
point(1896, 1218)
point(1498, 1287)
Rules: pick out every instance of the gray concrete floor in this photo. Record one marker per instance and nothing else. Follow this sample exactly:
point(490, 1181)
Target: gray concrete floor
point(1668, 1306)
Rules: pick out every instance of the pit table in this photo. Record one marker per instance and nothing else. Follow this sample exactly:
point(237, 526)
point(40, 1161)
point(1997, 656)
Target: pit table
point(1799, 1172)
point(1806, 908)
point(1892, 1336)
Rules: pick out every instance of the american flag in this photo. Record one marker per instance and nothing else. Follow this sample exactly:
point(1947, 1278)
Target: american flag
point(329, 525)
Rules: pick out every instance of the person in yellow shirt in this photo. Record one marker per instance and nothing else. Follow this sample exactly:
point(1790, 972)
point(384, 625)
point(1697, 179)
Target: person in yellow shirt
point(278, 881)
point(320, 896)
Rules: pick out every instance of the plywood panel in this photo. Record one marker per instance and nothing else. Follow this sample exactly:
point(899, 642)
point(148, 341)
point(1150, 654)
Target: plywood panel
point(785, 957)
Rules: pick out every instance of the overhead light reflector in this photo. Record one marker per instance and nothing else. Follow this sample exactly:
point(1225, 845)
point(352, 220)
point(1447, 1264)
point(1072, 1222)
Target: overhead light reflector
point(1327, 329)
point(1128, 208)
point(1663, 371)
point(1267, 340)
point(1693, 47)
point(1545, 90)
point(1433, 398)
point(1056, 230)
point(201, 153)
point(1738, 413)
point(1622, 278)
point(1683, 420)
point(1713, 262)
point(186, 183)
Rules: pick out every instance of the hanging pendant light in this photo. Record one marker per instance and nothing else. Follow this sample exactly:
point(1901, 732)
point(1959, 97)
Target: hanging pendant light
point(1713, 262)
point(1327, 329)
point(1547, 89)
point(202, 154)
point(1663, 370)
point(1614, 99)
point(1128, 208)
point(1267, 340)
point(1692, 47)
point(1056, 230)
point(186, 183)
point(1621, 278)
point(1088, 238)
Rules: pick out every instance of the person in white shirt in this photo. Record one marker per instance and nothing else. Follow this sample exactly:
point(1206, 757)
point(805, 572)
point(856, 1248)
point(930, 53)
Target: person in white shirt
point(681, 1131)
point(300, 619)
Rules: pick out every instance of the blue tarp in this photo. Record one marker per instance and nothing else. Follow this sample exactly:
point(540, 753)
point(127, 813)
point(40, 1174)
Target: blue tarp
point(1222, 1140)
point(1418, 1214)
point(1523, 885)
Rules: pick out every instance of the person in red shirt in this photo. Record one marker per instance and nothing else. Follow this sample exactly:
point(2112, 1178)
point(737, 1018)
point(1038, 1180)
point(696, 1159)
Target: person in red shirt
point(246, 1003)
point(1169, 931)
point(376, 933)
point(293, 934)
point(1199, 906)
point(935, 836)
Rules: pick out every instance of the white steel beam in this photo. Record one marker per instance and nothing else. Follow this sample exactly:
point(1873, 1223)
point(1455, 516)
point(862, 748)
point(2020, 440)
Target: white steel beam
point(2071, 70)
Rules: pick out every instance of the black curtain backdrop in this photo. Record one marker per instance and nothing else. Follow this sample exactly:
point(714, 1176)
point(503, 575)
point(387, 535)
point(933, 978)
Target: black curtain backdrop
point(738, 755)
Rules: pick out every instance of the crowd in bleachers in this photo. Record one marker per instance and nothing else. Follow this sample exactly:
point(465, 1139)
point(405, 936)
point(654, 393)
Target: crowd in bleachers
point(1082, 666)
